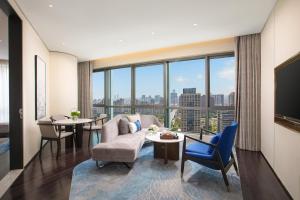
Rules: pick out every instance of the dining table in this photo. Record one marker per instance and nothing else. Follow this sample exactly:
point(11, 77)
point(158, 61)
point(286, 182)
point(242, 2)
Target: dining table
point(70, 124)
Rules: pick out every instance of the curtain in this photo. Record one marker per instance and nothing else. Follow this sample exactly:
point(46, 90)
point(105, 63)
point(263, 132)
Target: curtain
point(248, 109)
point(4, 94)
point(85, 72)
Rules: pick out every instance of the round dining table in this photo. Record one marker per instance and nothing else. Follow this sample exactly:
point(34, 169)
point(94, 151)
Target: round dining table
point(70, 124)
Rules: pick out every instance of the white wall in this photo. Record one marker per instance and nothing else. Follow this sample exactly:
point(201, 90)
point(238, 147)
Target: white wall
point(63, 90)
point(280, 41)
point(32, 45)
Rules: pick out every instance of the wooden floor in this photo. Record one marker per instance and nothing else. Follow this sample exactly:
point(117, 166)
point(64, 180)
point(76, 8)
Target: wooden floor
point(51, 179)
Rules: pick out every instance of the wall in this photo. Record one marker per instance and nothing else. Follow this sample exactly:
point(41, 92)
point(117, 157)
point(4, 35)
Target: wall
point(32, 45)
point(195, 49)
point(280, 41)
point(63, 90)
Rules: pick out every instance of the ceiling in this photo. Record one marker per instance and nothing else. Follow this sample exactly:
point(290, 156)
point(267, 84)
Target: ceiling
point(3, 36)
point(93, 29)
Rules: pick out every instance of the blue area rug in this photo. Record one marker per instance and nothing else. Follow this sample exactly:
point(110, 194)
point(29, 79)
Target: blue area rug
point(151, 179)
point(4, 145)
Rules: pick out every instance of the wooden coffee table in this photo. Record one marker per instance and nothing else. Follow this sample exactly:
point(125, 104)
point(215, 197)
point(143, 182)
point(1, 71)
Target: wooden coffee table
point(166, 149)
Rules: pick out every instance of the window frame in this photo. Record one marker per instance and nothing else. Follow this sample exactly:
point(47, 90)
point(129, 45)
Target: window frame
point(166, 85)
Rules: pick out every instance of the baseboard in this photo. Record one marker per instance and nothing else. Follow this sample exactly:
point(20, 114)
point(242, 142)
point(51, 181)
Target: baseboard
point(286, 191)
point(35, 155)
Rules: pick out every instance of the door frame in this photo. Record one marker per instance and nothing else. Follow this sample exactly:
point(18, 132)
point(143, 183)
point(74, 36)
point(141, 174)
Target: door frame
point(15, 86)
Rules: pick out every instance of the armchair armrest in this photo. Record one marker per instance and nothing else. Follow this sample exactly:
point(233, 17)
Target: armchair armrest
point(208, 131)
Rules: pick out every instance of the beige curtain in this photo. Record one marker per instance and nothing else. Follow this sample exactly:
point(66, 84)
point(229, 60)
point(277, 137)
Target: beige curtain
point(248, 92)
point(85, 72)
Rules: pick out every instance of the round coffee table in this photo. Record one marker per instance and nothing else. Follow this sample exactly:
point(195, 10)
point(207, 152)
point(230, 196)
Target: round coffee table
point(166, 149)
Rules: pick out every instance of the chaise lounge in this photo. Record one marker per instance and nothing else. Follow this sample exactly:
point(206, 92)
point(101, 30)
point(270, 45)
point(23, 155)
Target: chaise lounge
point(118, 144)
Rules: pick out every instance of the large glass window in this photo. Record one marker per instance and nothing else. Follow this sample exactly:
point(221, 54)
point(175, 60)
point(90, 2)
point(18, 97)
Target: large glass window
point(98, 93)
point(200, 93)
point(149, 85)
point(222, 92)
point(187, 93)
point(121, 87)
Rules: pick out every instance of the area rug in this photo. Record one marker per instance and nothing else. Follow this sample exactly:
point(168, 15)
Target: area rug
point(151, 179)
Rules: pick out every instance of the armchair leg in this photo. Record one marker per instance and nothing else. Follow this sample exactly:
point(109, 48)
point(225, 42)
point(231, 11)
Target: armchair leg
point(98, 137)
point(89, 142)
point(58, 148)
point(41, 147)
point(225, 179)
point(235, 165)
point(182, 166)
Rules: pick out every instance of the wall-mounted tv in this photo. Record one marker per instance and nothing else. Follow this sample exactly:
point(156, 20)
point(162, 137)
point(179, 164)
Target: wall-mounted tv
point(287, 91)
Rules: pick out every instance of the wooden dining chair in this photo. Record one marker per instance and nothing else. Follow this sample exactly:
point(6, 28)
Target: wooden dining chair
point(95, 126)
point(49, 133)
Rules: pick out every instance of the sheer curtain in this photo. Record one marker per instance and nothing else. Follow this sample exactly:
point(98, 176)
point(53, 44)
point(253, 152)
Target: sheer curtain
point(4, 98)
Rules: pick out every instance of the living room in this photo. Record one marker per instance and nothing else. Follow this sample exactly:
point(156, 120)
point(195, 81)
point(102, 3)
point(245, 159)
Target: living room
point(156, 100)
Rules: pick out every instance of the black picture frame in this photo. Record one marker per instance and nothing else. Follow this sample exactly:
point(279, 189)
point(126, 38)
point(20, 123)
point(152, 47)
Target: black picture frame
point(40, 87)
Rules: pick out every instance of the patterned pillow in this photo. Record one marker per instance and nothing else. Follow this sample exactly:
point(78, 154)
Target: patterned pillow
point(133, 127)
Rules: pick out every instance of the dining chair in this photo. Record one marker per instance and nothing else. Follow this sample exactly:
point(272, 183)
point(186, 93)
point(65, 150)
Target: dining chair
point(49, 133)
point(216, 154)
point(59, 117)
point(95, 126)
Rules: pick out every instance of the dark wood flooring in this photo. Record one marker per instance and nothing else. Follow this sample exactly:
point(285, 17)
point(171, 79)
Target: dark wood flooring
point(51, 179)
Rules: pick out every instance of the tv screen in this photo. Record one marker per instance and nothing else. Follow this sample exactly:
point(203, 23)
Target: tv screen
point(287, 90)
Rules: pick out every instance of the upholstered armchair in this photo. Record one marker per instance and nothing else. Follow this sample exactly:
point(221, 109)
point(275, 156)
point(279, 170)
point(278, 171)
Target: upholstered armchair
point(49, 133)
point(95, 126)
point(216, 154)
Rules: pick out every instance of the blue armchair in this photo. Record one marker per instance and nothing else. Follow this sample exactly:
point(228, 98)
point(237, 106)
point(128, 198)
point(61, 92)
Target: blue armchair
point(217, 154)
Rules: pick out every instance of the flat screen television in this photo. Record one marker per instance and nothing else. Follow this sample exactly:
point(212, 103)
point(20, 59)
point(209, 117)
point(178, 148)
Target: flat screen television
point(287, 91)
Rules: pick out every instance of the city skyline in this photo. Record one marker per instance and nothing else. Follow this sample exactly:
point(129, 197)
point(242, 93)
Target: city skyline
point(183, 74)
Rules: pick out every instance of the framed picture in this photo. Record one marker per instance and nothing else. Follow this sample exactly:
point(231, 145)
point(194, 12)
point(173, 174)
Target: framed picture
point(40, 88)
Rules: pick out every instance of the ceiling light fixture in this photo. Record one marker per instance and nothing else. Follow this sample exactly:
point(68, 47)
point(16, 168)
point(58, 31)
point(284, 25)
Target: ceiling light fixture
point(0, 40)
point(63, 43)
point(50, 6)
point(120, 40)
point(195, 24)
point(152, 33)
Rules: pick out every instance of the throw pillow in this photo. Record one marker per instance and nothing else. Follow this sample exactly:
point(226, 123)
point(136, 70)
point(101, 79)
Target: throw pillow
point(134, 118)
point(132, 127)
point(123, 126)
point(138, 125)
point(214, 140)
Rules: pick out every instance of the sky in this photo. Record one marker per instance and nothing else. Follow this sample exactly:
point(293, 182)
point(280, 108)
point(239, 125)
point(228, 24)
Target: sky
point(182, 74)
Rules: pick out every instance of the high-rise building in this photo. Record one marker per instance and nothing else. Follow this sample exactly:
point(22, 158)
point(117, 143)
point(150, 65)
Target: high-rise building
point(191, 117)
point(225, 117)
point(218, 99)
point(174, 98)
point(231, 99)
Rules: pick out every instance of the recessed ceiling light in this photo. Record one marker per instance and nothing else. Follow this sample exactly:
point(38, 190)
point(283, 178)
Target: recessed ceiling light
point(0, 40)
point(63, 43)
point(50, 6)
point(152, 33)
point(120, 40)
point(195, 24)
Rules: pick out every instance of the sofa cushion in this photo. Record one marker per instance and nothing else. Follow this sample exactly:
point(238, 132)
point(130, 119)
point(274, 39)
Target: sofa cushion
point(123, 126)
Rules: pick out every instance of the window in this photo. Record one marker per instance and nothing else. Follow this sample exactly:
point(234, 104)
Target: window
point(149, 85)
point(98, 93)
point(187, 93)
point(120, 91)
point(222, 92)
point(121, 87)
